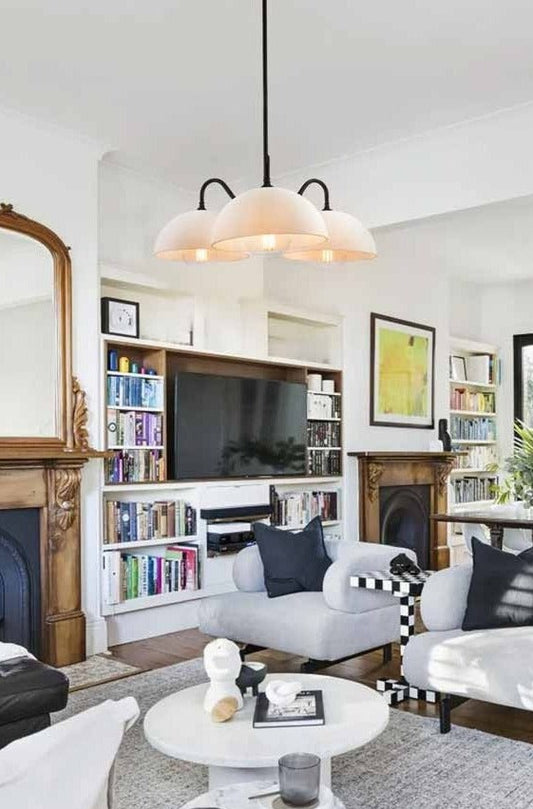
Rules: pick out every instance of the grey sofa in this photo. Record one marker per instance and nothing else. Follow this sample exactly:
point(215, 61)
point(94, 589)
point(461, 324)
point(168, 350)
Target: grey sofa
point(492, 665)
point(332, 625)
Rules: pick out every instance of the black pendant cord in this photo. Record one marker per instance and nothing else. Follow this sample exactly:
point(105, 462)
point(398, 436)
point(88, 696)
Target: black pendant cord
point(205, 186)
point(266, 157)
point(322, 185)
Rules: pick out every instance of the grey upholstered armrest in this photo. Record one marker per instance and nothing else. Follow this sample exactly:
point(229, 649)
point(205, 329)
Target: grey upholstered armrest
point(248, 572)
point(353, 558)
point(443, 601)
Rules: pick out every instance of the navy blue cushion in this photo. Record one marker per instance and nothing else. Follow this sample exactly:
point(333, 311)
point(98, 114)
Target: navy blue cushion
point(292, 561)
point(501, 589)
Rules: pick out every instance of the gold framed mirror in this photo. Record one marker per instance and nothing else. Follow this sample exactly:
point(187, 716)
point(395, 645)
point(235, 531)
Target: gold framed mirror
point(36, 400)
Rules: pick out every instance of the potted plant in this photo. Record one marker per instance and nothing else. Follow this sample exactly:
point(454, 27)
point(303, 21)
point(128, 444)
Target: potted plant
point(518, 485)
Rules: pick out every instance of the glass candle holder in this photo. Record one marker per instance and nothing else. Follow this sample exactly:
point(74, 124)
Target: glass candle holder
point(299, 778)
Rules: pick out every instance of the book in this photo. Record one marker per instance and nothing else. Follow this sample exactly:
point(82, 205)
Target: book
point(306, 710)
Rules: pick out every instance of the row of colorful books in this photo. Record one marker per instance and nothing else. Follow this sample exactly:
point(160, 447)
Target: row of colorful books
point(140, 521)
point(128, 576)
point(126, 391)
point(324, 462)
point(469, 490)
point(298, 508)
point(477, 458)
point(464, 399)
point(475, 429)
point(323, 434)
point(135, 466)
point(134, 429)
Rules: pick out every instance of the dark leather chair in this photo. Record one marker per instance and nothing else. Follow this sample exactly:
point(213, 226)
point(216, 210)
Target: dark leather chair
point(29, 692)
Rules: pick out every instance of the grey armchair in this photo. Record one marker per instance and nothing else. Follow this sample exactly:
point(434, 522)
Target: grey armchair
point(492, 665)
point(326, 627)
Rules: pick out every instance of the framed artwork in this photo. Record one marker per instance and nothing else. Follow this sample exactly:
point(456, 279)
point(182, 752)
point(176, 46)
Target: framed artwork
point(120, 317)
point(402, 369)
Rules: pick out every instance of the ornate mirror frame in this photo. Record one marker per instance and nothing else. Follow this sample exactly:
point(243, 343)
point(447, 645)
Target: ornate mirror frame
point(71, 411)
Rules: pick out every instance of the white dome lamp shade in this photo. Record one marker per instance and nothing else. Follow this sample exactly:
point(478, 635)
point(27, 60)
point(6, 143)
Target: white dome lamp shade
point(348, 239)
point(189, 236)
point(269, 220)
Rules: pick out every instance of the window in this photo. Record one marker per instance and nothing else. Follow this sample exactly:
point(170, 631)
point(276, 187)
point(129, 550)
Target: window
point(523, 378)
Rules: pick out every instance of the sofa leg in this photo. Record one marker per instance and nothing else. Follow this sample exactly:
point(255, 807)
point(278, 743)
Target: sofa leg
point(312, 665)
point(445, 709)
point(387, 653)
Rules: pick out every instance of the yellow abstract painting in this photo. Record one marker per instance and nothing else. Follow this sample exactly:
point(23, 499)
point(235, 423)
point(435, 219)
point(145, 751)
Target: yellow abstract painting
point(402, 383)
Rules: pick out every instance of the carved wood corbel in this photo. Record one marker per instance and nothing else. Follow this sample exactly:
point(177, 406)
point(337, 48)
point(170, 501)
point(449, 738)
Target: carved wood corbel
point(442, 473)
point(374, 473)
point(80, 415)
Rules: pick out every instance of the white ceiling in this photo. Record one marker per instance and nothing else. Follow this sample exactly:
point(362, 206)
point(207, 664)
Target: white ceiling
point(487, 245)
point(174, 86)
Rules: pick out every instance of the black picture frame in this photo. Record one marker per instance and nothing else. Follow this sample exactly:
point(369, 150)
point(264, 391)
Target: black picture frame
point(106, 328)
point(520, 341)
point(375, 420)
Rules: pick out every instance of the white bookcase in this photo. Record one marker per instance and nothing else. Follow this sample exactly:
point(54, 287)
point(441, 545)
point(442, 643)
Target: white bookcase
point(474, 380)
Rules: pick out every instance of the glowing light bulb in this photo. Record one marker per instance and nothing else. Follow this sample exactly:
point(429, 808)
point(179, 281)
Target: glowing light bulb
point(327, 256)
point(201, 254)
point(268, 242)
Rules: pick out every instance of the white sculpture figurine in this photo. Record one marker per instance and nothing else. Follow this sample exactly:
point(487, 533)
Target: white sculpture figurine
point(222, 663)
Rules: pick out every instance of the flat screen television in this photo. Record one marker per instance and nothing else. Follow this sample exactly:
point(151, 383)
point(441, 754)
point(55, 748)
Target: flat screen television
point(223, 427)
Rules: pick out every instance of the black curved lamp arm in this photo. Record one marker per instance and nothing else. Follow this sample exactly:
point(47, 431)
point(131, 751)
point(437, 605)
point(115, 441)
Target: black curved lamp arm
point(322, 185)
point(205, 186)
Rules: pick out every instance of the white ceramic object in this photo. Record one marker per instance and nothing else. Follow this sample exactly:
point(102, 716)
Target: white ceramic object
point(235, 751)
point(282, 692)
point(314, 382)
point(222, 663)
point(328, 386)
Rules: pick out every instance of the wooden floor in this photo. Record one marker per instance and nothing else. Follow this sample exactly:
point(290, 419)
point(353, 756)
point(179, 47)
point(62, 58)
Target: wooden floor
point(180, 646)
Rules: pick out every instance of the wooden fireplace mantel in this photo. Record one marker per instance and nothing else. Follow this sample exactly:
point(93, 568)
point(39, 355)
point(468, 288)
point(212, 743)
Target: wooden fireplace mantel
point(52, 485)
point(377, 469)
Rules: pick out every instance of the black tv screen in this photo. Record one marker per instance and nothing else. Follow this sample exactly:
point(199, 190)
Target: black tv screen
point(222, 426)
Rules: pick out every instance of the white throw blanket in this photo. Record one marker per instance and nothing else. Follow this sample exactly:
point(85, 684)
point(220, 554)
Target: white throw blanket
point(10, 650)
point(66, 766)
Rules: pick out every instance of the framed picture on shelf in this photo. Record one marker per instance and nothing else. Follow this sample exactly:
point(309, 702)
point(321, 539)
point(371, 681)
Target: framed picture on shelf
point(402, 370)
point(457, 368)
point(120, 317)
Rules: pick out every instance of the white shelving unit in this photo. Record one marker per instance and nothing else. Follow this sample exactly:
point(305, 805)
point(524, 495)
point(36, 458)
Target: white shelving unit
point(473, 407)
point(257, 331)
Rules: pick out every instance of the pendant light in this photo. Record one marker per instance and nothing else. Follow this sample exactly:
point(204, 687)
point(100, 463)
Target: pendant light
point(266, 219)
point(348, 239)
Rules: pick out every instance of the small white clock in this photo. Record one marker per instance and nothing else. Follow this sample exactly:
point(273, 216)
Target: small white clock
point(120, 317)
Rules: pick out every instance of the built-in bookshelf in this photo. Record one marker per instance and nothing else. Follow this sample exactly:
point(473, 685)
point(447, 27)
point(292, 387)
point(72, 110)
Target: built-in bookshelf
point(150, 524)
point(293, 509)
point(474, 379)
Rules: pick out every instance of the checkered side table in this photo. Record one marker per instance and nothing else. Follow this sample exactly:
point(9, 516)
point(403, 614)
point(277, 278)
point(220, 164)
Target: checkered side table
point(406, 587)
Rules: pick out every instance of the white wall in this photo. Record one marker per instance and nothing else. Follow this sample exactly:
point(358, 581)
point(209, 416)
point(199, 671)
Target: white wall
point(387, 286)
point(51, 176)
point(448, 169)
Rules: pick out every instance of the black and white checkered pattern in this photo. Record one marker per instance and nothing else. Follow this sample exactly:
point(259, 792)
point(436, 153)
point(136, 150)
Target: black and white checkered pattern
point(406, 587)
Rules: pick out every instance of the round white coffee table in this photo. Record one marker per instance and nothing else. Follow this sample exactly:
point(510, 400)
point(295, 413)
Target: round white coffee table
point(237, 796)
point(236, 752)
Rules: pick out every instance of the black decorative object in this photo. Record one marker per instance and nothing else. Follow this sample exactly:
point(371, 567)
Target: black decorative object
point(120, 317)
point(444, 435)
point(402, 564)
point(250, 676)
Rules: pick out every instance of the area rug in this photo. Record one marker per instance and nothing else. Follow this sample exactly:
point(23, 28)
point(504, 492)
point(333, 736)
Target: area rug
point(410, 766)
point(97, 670)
